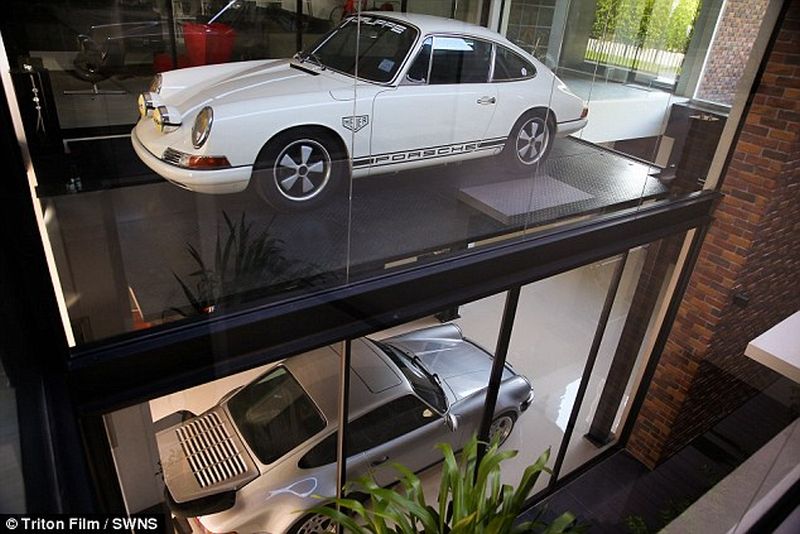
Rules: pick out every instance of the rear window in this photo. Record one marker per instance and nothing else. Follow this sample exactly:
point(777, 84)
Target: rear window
point(274, 415)
point(510, 66)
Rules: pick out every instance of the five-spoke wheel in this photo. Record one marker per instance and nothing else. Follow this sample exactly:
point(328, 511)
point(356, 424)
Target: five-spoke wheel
point(501, 428)
point(530, 140)
point(298, 169)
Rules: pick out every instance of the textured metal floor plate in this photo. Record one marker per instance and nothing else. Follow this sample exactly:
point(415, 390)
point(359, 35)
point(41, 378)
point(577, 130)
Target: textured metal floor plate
point(504, 201)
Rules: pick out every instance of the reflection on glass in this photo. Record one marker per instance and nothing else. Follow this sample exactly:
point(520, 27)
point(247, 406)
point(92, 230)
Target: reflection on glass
point(449, 137)
point(553, 331)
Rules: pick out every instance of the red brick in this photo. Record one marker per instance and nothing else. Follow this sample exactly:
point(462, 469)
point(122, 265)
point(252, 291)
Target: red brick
point(752, 245)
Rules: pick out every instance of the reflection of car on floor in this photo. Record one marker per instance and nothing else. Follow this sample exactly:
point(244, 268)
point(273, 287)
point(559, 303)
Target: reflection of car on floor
point(425, 90)
point(265, 452)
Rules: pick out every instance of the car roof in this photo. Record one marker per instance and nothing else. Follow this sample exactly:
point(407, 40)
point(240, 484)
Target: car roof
point(374, 380)
point(433, 24)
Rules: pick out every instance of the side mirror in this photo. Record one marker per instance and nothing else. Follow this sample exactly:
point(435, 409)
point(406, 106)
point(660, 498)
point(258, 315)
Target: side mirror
point(451, 421)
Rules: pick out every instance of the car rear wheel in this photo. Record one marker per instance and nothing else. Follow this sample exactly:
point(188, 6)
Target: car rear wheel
point(314, 524)
point(531, 140)
point(299, 170)
point(501, 428)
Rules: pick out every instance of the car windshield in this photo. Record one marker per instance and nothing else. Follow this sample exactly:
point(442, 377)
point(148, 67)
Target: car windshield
point(274, 415)
point(382, 46)
point(425, 384)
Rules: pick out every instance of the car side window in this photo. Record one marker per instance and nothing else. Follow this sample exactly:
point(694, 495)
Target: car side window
point(385, 423)
point(418, 72)
point(460, 60)
point(509, 65)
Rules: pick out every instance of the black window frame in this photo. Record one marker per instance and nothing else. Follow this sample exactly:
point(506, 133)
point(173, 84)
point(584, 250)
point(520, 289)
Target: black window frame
point(407, 80)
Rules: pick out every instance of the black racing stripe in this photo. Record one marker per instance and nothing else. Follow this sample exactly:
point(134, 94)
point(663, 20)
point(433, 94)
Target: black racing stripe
point(435, 147)
point(478, 146)
point(492, 143)
point(429, 157)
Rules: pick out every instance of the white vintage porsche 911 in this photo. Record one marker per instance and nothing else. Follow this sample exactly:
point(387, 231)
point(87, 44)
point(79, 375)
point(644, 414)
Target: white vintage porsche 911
point(425, 90)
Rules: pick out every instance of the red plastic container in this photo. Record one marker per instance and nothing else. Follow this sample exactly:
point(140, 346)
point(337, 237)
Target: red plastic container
point(208, 43)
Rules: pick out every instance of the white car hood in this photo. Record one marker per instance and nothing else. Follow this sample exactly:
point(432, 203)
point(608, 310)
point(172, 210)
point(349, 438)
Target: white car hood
point(256, 80)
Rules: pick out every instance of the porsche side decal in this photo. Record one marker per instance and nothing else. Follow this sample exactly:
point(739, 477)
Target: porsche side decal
point(417, 154)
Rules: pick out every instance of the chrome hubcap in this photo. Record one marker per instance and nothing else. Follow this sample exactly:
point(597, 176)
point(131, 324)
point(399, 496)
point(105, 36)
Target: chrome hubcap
point(317, 524)
point(501, 429)
point(532, 140)
point(302, 170)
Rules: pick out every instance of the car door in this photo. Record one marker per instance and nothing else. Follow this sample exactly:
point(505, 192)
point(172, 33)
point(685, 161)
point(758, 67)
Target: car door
point(440, 110)
point(403, 431)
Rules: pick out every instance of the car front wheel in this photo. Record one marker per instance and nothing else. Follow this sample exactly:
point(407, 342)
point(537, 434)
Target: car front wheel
point(299, 170)
point(501, 428)
point(530, 140)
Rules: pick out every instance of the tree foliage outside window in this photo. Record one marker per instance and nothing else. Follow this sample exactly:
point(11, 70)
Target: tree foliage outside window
point(661, 24)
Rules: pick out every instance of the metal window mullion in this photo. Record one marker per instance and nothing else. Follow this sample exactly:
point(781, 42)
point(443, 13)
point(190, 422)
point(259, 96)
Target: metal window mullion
point(594, 350)
point(498, 364)
point(344, 414)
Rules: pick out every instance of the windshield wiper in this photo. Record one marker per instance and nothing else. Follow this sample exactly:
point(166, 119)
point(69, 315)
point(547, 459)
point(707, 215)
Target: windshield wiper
point(305, 56)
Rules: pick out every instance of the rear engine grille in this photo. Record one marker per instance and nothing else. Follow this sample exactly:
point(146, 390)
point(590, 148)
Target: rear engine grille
point(172, 156)
point(210, 450)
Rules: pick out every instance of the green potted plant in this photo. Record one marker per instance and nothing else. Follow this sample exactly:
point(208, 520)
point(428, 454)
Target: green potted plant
point(247, 263)
point(471, 500)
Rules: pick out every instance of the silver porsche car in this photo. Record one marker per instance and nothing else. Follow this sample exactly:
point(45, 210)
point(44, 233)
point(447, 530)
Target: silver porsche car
point(267, 451)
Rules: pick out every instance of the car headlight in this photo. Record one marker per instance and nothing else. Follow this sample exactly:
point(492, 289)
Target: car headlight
point(202, 126)
point(145, 104)
point(155, 85)
point(167, 118)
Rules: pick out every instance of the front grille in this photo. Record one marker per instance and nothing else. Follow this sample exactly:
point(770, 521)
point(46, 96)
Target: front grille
point(172, 156)
point(210, 450)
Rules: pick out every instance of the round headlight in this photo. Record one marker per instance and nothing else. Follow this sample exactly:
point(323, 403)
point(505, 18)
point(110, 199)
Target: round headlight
point(202, 126)
point(155, 85)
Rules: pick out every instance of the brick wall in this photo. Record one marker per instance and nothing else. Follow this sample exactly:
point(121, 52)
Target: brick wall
point(752, 251)
point(737, 30)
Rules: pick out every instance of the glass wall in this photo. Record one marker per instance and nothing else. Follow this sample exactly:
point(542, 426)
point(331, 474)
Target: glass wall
point(196, 158)
point(253, 451)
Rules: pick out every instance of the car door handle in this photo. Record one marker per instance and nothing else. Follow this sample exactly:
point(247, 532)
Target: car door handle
point(379, 461)
point(486, 100)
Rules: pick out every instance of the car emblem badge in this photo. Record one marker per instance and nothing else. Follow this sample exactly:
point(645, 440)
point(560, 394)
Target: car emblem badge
point(355, 123)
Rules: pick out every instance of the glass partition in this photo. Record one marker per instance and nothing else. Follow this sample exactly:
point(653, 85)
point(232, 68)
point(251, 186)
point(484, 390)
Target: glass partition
point(254, 451)
point(196, 158)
